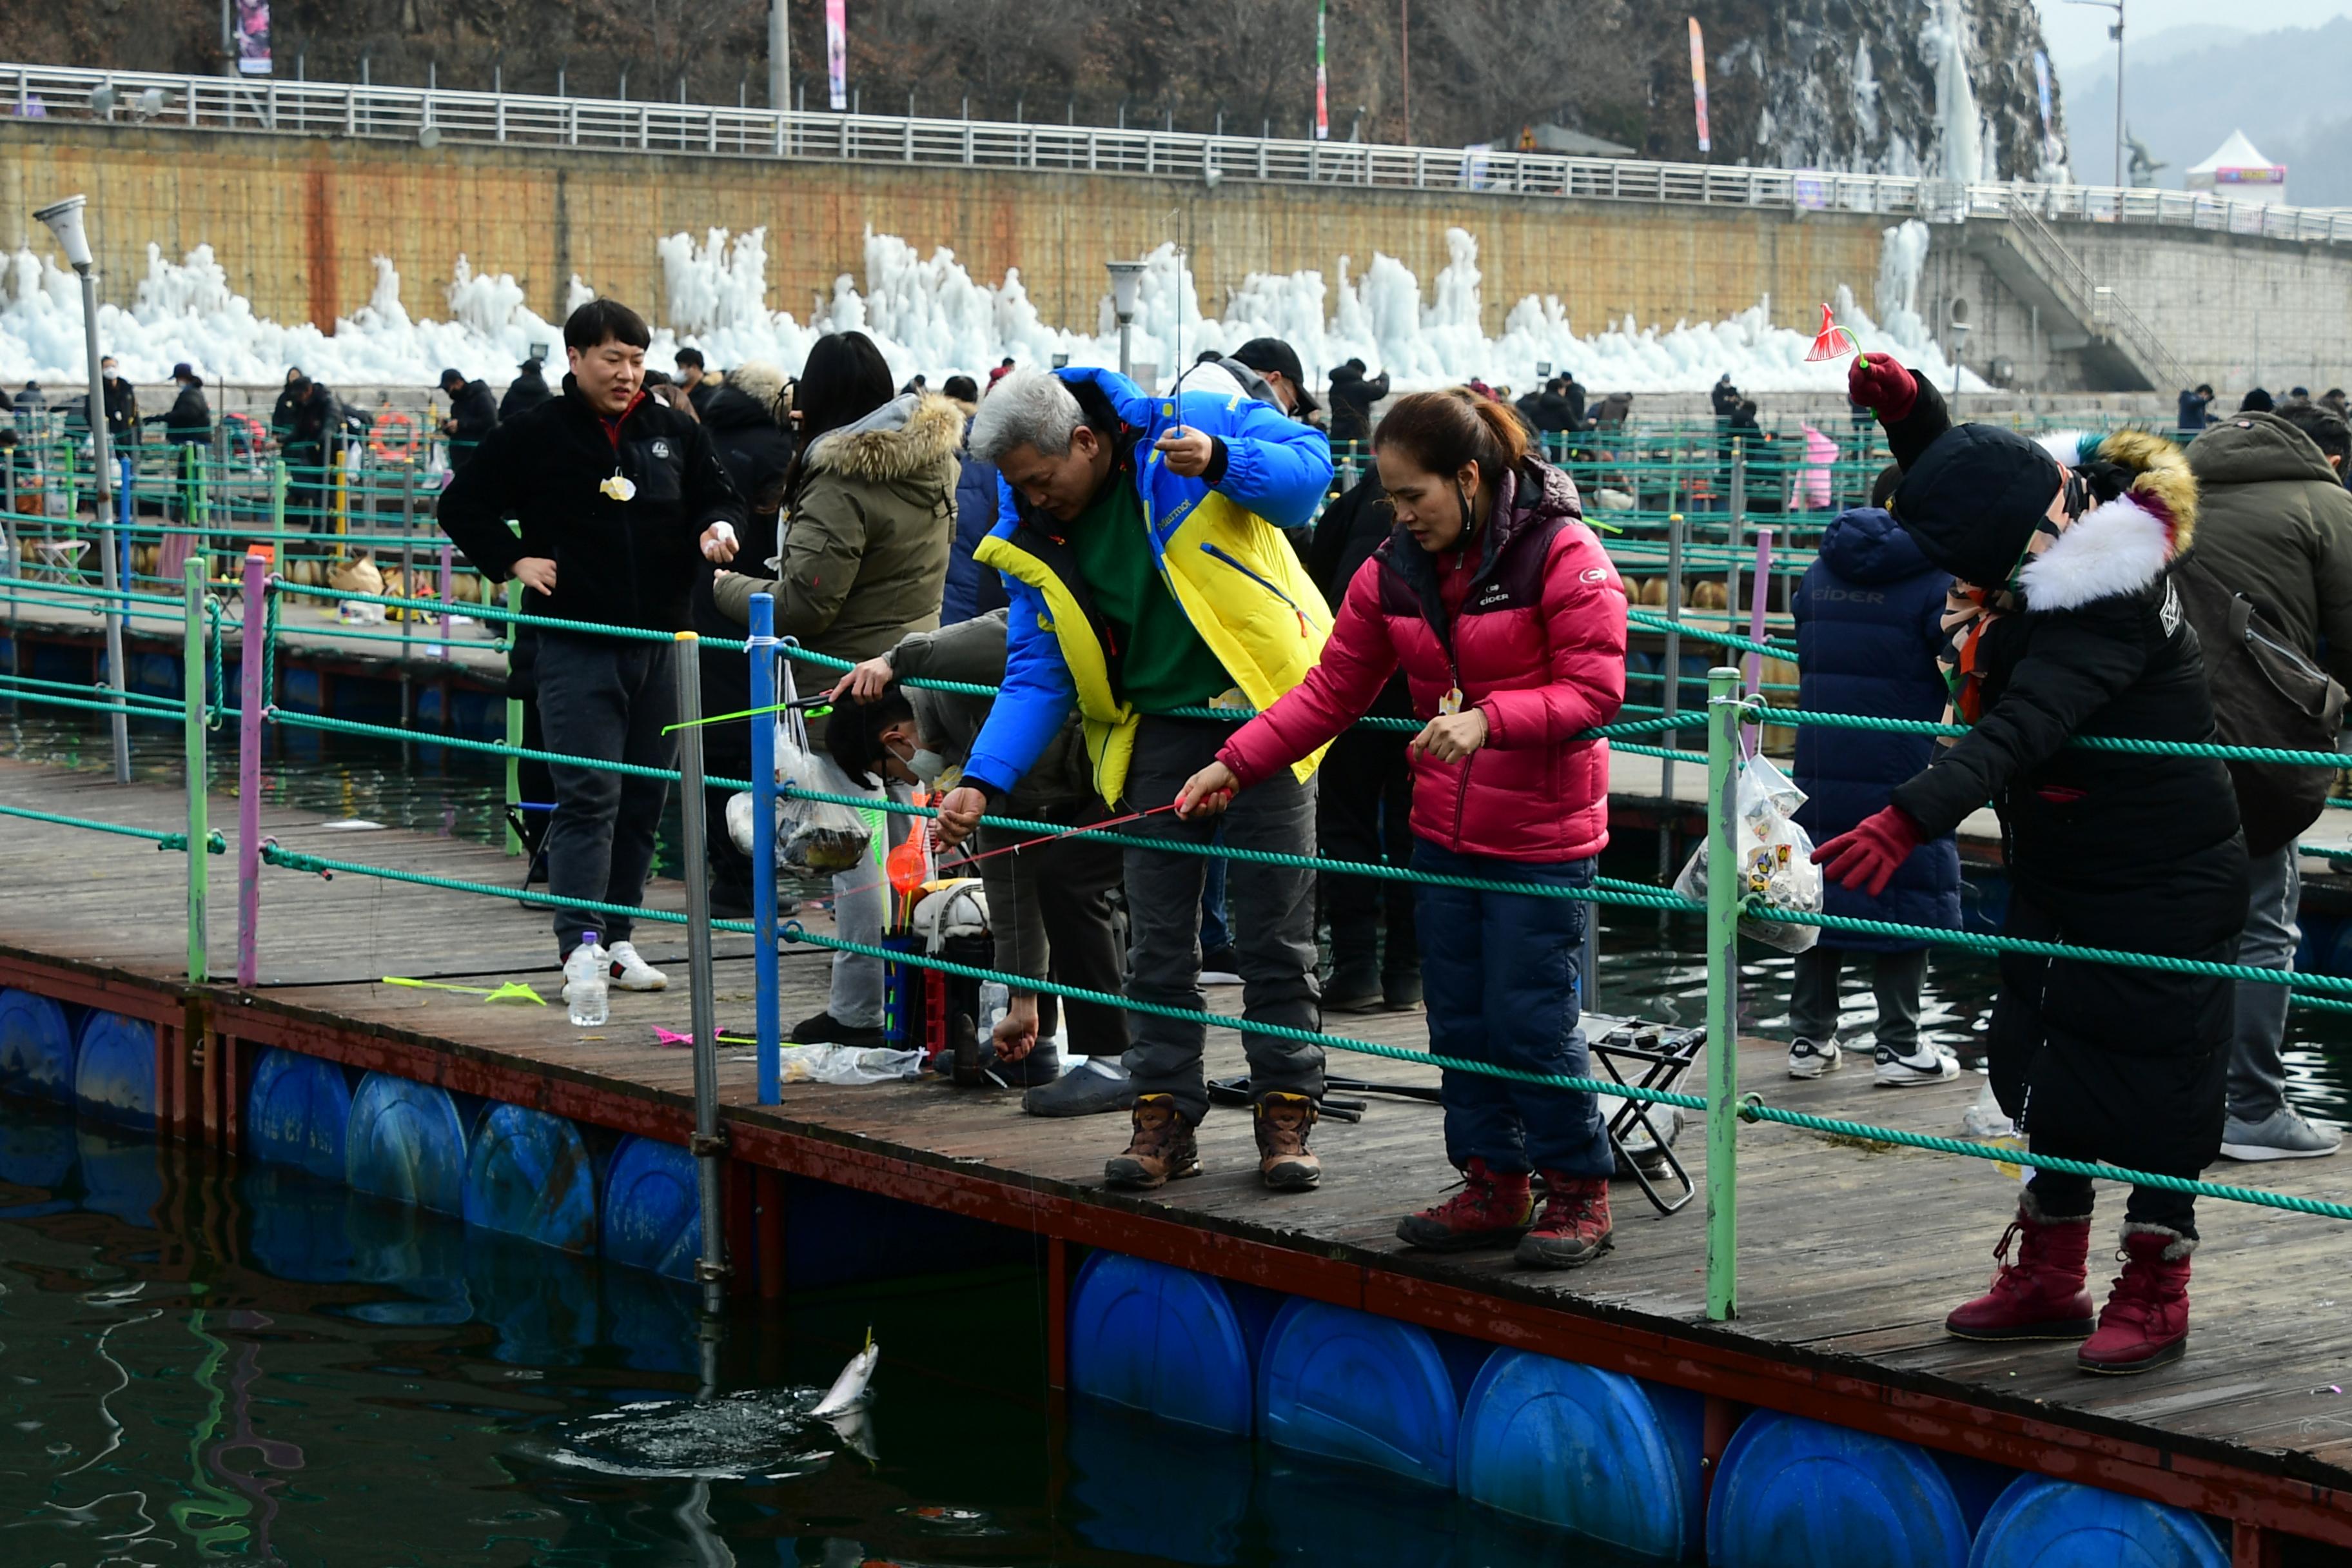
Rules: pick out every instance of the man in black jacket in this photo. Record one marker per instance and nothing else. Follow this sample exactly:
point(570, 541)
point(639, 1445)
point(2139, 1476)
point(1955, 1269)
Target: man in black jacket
point(121, 402)
point(190, 422)
point(621, 500)
point(526, 392)
point(472, 415)
point(309, 443)
point(1352, 396)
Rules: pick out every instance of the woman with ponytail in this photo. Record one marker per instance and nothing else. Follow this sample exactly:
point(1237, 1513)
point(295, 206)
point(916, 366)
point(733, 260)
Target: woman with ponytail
point(1508, 622)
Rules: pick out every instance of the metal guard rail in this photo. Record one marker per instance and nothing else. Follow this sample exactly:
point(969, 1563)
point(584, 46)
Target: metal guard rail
point(405, 113)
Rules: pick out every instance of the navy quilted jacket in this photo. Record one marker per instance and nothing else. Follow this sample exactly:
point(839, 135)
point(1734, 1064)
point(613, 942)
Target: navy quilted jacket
point(1867, 615)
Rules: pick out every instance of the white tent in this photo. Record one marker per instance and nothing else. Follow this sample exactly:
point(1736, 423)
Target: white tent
point(2237, 170)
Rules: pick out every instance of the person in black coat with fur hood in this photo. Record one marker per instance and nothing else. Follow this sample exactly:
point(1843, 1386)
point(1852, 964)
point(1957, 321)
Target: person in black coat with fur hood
point(2063, 622)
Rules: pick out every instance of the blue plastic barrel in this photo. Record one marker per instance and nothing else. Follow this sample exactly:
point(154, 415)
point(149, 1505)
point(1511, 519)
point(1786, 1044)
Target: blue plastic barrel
point(2043, 1524)
point(653, 1214)
point(301, 1223)
point(36, 1148)
point(527, 1174)
point(1162, 1493)
point(297, 1112)
point(36, 1047)
point(114, 1070)
point(1606, 1456)
point(419, 1253)
point(405, 1143)
point(1793, 1492)
point(1348, 1385)
point(1160, 1340)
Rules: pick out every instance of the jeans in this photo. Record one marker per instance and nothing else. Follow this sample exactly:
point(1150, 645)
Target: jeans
point(2257, 1075)
point(1363, 805)
point(1894, 977)
point(607, 699)
point(1273, 921)
point(1499, 974)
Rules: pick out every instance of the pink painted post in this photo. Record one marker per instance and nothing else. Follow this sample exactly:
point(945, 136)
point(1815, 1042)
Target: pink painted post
point(444, 599)
point(1760, 596)
point(253, 656)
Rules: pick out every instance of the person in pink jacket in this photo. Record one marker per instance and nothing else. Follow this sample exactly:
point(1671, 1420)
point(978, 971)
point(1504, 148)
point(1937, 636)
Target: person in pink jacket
point(1508, 621)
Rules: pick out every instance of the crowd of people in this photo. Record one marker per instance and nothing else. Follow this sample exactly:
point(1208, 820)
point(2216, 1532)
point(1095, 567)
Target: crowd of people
point(1120, 565)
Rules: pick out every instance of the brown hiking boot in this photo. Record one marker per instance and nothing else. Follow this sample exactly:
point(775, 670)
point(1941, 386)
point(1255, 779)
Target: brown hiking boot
point(1161, 1149)
point(1284, 1120)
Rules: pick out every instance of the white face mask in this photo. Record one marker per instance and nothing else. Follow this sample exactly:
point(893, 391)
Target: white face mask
point(928, 766)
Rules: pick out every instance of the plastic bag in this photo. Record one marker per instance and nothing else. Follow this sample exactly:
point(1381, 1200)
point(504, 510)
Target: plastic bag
point(1776, 857)
point(843, 1064)
point(816, 837)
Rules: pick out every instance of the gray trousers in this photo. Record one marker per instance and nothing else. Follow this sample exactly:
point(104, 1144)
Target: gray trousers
point(609, 699)
point(1894, 978)
point(1272, 910)
point(2257, 1074)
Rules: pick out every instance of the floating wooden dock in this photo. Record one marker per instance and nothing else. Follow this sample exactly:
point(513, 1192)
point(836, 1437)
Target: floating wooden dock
point(1849, 1255)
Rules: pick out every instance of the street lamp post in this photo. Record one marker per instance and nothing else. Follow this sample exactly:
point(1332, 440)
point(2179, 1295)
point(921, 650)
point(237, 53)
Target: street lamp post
point(65, 221)
point(1125, 278)
point(2116, 31)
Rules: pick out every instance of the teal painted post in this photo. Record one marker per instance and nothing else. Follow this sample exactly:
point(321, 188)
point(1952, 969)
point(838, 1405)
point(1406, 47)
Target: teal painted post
point(192, 689)
point(1723, 882)
point(514, 722)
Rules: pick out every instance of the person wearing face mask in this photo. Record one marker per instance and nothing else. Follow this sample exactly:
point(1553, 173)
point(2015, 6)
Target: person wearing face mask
point(2064, 621)
point(1049, 907)
point(1507, 621)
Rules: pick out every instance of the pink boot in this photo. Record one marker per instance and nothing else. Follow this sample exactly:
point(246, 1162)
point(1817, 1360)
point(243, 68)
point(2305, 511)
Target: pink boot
point(2145, 1321)
point(2040, 1296)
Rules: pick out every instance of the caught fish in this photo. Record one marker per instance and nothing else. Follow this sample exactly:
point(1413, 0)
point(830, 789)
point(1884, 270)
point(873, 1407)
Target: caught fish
point(849, 1388)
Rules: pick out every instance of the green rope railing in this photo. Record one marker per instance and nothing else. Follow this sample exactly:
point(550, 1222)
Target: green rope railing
point(213, 842)
point(499, 612)
point(1656, 622)
point(489, 747)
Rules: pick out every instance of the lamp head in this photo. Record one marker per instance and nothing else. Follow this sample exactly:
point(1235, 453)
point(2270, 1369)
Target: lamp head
point(1126, 277)
point(65, 221)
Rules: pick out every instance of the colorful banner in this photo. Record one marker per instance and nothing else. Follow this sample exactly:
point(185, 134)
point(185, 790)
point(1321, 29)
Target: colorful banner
point(1699, 80)
point(2042, 86)
point(1322, 83)
point(252, 41)
point(836, 52)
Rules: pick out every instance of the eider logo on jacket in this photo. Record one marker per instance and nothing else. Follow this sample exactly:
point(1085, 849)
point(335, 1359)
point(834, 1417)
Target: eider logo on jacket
point(1594, 575)
point(1497, 596)
point(661, 449)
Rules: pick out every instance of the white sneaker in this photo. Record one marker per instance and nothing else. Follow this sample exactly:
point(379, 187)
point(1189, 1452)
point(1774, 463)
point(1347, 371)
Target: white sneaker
point(1929, 1066)
point(1810, 1058)
point(630, 971)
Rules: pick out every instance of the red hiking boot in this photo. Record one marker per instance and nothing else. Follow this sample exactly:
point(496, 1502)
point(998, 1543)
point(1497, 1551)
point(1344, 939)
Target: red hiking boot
point(1574, 1227)
point(2040, 1296)
point(2145, 1321)
point(1492, 1209)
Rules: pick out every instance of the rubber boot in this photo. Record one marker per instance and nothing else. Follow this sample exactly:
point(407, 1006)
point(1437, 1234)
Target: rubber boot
point(2145, 1321)
point(2040, 1296)
point(1494, 1208)
point(1573, 1229)
point(1284, 1120)
point(1159, 1147)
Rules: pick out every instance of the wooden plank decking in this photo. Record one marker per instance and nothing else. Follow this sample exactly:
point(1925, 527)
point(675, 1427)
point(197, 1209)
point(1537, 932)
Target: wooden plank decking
point(1849, 1256)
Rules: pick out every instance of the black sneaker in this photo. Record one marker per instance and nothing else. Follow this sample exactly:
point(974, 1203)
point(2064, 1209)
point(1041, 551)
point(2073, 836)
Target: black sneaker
point(1094, 1084)
point(1221, 967)
point(1400, 991)
point(1354, 988)
point(824, 1029)
point(1042, 1065)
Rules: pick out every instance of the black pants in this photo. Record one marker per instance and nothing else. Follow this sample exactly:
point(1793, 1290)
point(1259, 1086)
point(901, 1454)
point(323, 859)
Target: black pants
point(1050, 910)
point(1363, 808)
point(607, 699)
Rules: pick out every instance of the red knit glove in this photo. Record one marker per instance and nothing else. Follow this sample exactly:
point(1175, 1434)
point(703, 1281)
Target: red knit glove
point(1868, 858)
point(1878, 382)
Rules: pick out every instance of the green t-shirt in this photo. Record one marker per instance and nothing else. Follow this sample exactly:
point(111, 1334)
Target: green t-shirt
point(1163, 662)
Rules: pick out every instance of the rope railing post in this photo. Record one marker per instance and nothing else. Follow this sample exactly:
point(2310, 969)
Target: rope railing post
point(514, 720)
point(693, 846)
point(767, 1028)
point(111, 565)
point(441, 593)
point(193, 693)
point(278, 507)
point(1723, 713)
point(1759, 596)
point(253, 656)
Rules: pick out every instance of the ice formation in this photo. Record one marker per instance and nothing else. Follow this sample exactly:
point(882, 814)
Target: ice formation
point(930, 315)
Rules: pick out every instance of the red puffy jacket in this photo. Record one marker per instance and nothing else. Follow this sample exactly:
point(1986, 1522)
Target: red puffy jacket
point(1536, 630)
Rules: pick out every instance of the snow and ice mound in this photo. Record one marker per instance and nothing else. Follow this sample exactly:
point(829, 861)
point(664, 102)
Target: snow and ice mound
point(930, 315)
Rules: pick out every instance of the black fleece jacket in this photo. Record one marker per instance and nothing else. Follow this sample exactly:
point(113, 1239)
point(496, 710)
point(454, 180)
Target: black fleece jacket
point(617, 562)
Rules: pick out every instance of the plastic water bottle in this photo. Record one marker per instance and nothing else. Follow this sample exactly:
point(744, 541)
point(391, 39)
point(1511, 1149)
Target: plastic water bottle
point(585, 991)
point(995, 1001)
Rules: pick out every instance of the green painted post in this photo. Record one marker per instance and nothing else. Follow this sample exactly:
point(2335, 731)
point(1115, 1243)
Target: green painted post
point(1723, 883)
point(192, 689)
point(277, 509)
point(514, 725)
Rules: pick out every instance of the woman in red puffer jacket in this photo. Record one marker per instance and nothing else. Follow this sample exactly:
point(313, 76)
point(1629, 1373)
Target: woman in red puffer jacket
point(1509, 624)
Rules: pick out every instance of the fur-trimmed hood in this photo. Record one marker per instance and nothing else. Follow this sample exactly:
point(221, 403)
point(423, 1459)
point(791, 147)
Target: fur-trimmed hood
point(760, 381)
point(2127, 542)
point(901, 440)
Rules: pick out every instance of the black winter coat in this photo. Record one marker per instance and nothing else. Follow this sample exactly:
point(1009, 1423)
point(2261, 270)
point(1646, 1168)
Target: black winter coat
point(1352, 396)
point(312, 421)
point(617, 562)
point(1867, 634)
point(121, 411)
point(190, 422)
point(473, 414)
point(1350, 531)
point(526, 392)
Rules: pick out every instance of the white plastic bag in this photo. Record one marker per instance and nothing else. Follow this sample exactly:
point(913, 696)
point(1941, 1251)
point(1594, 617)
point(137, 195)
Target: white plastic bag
point(843, 1064)
point(816, 837)
point(1776, 857)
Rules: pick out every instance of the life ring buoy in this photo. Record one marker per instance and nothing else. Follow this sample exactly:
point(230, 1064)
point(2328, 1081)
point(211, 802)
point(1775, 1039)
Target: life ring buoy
point(393, 438)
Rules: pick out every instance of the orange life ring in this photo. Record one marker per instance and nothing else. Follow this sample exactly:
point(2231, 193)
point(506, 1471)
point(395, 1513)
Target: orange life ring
point(380, 439)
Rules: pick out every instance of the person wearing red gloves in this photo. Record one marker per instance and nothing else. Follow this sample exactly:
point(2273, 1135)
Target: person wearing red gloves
point(1508, 622)
point(2063, 622)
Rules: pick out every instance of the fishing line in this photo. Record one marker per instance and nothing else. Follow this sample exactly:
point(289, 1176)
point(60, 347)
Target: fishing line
point(1029, 844)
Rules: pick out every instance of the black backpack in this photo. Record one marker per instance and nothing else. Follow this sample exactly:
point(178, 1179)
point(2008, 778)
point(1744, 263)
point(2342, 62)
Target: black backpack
point(2266, 692)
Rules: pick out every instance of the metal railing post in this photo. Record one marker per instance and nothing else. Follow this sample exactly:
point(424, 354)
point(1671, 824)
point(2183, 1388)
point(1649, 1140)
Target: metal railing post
point(1723, 882)
point(193, 693)
point(1677, 526)
point(442, 586)
point(708, 1147)
point(514, 720)
point(277, 506)
point(110, 564)
point(768, 1005)
point(252, 657)
point(1759, 596)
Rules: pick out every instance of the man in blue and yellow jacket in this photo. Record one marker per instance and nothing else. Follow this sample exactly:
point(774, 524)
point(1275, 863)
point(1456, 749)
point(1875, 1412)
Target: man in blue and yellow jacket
point(1140, 541)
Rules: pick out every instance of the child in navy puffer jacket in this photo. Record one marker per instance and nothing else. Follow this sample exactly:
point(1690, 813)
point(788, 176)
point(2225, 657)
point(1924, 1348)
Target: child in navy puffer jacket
point(1869, 624)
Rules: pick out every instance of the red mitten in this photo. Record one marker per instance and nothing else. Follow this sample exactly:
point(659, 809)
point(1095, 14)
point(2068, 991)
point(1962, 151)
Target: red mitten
point(1868, 858)
point(1878, 382)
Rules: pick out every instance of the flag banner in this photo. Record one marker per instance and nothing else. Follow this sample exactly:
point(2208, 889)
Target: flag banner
point(1322, 83)
point(1699, 80)
point(252, 38)
point(837, 51)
